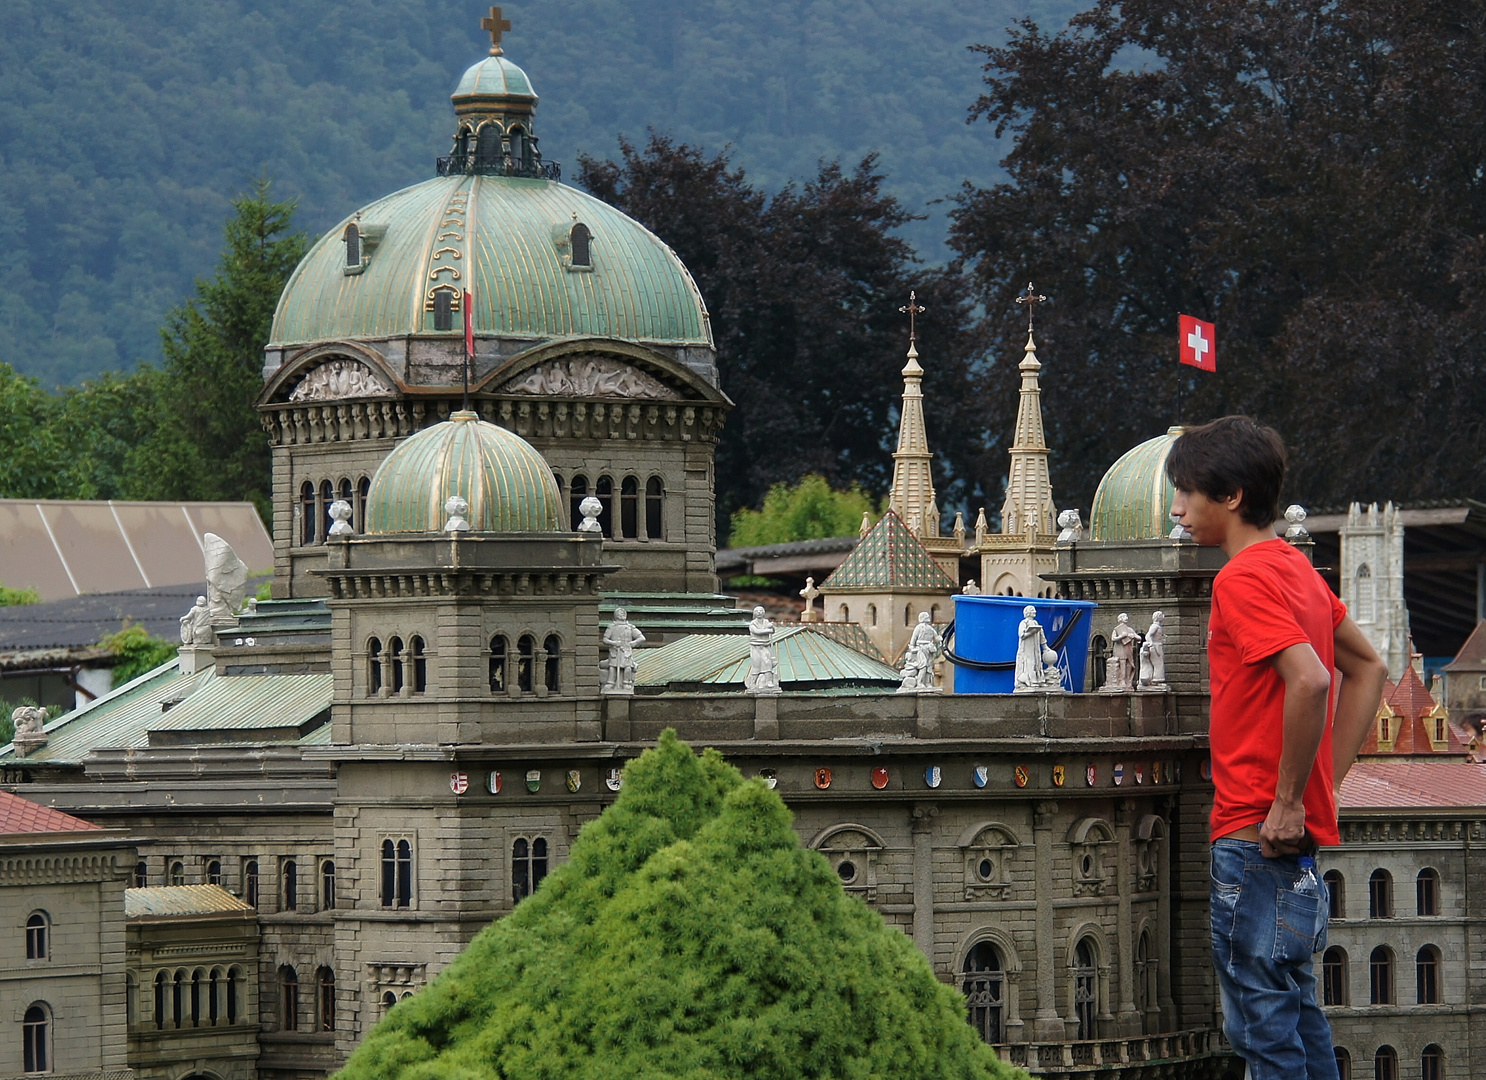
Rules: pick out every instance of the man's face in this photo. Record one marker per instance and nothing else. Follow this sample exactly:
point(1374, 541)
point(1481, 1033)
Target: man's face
point(1206, 519)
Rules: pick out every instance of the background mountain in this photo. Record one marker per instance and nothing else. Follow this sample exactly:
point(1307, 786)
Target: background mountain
point(126, 128)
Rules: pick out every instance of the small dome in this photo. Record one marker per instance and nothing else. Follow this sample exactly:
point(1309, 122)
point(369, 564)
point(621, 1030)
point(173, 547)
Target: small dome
point(495, 76)
point(508, 485)
point(1134, 498)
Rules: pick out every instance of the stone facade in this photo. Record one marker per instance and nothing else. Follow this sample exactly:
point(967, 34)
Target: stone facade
point(1371, 576)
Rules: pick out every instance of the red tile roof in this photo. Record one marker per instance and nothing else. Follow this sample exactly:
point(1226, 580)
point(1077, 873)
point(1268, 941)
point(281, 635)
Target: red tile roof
point(1441, 783)
point(20, 816)
point(1473, 653)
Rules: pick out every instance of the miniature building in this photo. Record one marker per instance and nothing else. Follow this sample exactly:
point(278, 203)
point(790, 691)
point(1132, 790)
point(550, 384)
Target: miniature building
point(1465, 679)
point(1371, 578)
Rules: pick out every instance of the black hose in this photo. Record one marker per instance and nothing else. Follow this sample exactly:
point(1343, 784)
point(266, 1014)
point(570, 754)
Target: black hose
point(1004, 665)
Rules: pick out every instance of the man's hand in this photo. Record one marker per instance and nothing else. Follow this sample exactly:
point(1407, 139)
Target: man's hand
point(1283, 831)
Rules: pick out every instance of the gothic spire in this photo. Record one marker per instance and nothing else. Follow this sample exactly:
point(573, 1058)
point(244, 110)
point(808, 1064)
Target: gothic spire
point(912, 495)
point(1029, 493)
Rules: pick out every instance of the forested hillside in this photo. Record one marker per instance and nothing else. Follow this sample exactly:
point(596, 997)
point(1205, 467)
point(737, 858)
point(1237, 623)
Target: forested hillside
point(126, 127)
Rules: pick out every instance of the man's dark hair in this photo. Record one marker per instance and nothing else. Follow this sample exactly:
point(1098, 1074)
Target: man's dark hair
point(1232, 453)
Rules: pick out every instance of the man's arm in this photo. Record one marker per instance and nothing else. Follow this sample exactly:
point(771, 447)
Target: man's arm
point(1363, 675)
point(1307, 687)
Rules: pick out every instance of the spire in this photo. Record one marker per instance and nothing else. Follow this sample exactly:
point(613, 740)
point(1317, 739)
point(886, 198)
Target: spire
point(1029, 493)
point(912, 494)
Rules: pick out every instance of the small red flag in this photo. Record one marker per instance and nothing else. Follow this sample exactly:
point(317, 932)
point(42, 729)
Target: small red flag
point(1197, 342)
point(469, 325)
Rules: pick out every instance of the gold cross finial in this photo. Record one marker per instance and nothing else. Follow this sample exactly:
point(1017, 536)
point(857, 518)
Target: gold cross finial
point(912, 309)
point(1031, 298)
point(497, 27)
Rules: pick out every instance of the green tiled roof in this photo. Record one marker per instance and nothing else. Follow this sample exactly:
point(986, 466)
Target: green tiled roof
point(850, 634)
point(807, 661)
point(1133, 501)
point(889, 557)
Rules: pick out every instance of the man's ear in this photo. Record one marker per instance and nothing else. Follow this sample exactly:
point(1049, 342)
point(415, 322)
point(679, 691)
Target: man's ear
point(1234, 501)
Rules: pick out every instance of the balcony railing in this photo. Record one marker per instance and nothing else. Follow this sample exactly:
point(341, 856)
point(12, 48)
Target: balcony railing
point(1106, 1056)
point(478, 165)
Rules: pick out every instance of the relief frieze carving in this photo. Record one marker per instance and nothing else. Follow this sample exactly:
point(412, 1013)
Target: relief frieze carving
point(588, 376)
point(337, 379)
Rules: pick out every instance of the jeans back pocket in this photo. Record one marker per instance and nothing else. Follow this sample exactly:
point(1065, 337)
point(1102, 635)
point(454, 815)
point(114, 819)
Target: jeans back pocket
point(1297, 926)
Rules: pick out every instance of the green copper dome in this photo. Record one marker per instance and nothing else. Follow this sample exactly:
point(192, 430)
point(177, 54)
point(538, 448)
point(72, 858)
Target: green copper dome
point(508, 485)
point(495, 76)
point(1134, 498)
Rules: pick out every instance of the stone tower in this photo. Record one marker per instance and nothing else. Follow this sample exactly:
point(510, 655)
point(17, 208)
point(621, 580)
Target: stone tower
point(1372, 581)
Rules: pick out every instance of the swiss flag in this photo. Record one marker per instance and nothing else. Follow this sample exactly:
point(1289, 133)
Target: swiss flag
point(1197, 342)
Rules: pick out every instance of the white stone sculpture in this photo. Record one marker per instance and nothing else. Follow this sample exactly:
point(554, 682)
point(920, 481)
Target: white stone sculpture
point(1036, 664)
point(589, 376)
point(456, 507)
point(226, 580)
point(590, 508)
point(866, 525)
point(959, 530)
point(1179, 532)
point(1153, 655)
point(1295, 514)
point(918, 658)
point(970, 589)
point(763, 664)
point(982, 527)
point(196, 624)
point(340, 516)
point(1120, 676)
point(1072, 526)
point(339, 379)
point(622, 637)
point(810, 592)
point(29, 721)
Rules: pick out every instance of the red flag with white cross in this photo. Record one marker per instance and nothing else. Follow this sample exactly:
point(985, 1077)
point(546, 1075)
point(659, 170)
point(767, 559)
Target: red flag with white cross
point(1197, 343)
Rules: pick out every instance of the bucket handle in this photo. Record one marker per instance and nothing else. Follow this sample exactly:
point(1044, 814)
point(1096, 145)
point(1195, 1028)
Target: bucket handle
point(1004, 665)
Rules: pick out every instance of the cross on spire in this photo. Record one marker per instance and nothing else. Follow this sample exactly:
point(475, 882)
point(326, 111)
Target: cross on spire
point(1031, 298)
point(912, 309)
point(497, 27)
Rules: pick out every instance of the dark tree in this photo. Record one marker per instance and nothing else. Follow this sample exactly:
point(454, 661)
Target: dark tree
point(804, 289)
point(1306, 173)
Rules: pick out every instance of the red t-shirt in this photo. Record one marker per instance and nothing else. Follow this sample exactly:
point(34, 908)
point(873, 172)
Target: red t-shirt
point(1266, 599)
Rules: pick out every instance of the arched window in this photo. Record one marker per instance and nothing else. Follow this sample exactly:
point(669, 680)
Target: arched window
point(1380, 895)
point(528, 866)
point(141, 874)
point(577, 492)
point(250, 882)
point(1427, 886)
point(347, 494)
point(1336, 894)
point(553, 648)
point(214, 871)
point(352, 237)
point(521, 155)
point(234, 981)
point(443, 309)
point(327, 496)
point(307, 515)
point(907, 614)
point(871, 614)
point(395, 663)
point(1343, 1063)
point(1098, 661)
point(984, 990)
point(397, 873)
point(288, 998)
point(1366, 597)
point(603, 490)
point(38, 938)
point(327, 884)
point(497, 665)
point(327, 999)
point(162, 992)
point(197, 978)
point(1427, 969)
point(420, 664)
point(1334, 977)
point(629, 508)
point(374, 666)
point(36, 1039)
point(1380, 965)
point(526, 655)
point(213, 988)
point(178, 999)
point(363, 489)
point(1385, 1064)
point(389, 999)
point(1432, 1063)
point(844, 612)
point(177, 873)
point(1085, 990)
point(1145, 974)
point(579, 237)
point(488, 149)
point(291, 885)
point(655, 499)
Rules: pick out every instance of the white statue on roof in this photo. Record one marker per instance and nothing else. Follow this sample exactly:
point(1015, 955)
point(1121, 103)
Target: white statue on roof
point(1153, 655)
point(226, 580)
point(763, 663)
point(1120, 677)
point(622, 637)
point(196, 624)
point(1036, 663)
point(918, 658)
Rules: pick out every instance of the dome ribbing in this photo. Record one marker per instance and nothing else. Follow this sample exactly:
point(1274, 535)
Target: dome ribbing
point(1134, 498)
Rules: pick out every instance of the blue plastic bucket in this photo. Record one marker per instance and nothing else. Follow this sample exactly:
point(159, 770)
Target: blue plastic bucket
point(986, 633)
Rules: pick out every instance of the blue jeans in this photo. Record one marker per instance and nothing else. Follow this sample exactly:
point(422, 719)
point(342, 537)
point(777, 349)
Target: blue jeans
point(1264, 935)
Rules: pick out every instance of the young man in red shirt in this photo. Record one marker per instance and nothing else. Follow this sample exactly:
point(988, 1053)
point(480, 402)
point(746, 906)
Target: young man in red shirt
point(1279, 751)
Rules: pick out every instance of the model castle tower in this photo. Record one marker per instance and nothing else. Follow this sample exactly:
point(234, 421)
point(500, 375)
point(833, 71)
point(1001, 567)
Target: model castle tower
point(1372, 581)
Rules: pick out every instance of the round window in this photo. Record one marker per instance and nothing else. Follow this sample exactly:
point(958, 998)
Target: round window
point(1088, 865)
point(848, 871)
point(986, 869)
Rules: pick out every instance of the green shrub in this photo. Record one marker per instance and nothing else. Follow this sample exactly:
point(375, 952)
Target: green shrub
point(18, 597)
point(690, 935)
point(136, 651)
point(808, 510)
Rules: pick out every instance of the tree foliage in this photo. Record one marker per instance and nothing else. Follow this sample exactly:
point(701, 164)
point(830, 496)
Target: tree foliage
point(1307, 174)
point(808, 510)
point(136, 651)
point(804, 289)
point(689, 936)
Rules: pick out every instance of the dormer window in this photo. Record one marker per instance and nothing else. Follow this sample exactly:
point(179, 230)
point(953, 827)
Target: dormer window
point(579, 238)
point(352, 237)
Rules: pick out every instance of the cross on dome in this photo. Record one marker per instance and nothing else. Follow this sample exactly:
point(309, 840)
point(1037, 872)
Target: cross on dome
point(497, 27)
point(912, 309)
